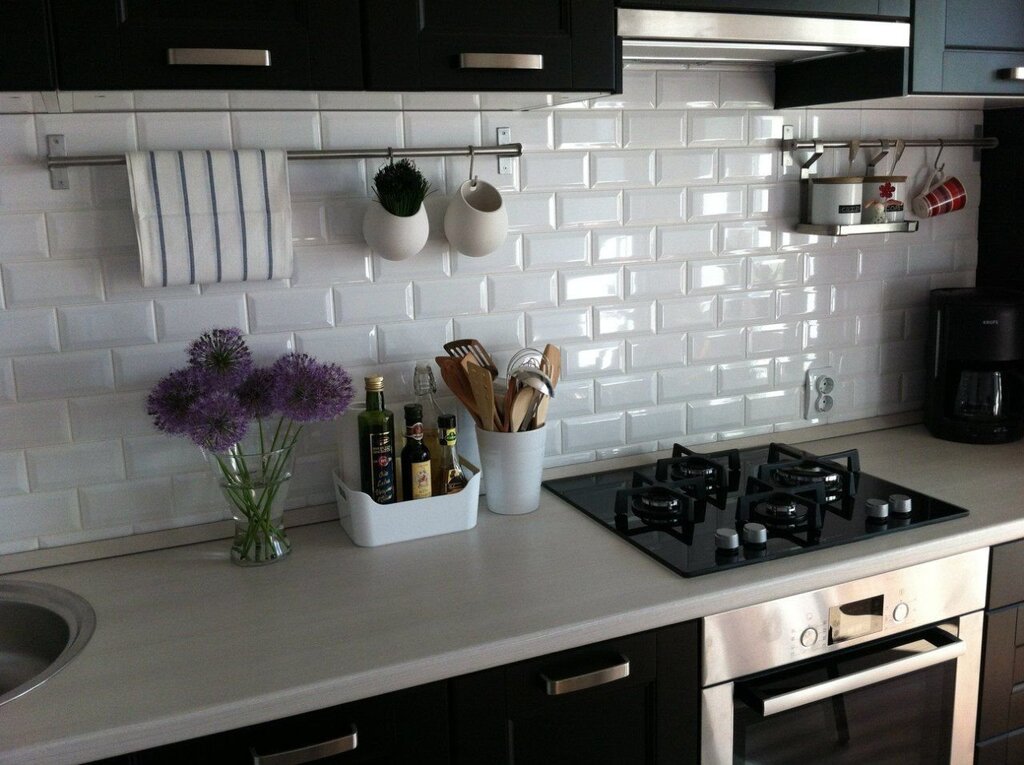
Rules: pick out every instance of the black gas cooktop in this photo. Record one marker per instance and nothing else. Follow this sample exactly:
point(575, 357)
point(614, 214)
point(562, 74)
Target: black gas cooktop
point(703, 512)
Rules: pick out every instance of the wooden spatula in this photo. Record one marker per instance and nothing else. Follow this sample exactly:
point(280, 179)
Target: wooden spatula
point(483, 394)
point(458, 383)
point(474, 349)
point(521, 407)
point(551, 363)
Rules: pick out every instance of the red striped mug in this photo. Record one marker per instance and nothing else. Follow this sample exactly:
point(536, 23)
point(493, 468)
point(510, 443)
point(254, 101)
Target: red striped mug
point(946, 197)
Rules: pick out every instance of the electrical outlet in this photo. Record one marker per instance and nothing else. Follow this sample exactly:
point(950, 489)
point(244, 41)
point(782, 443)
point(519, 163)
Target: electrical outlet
point(820, 392)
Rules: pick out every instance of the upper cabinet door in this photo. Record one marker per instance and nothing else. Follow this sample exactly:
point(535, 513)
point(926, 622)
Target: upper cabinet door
point(187, 44)
point(25, 46)
point(494, 45)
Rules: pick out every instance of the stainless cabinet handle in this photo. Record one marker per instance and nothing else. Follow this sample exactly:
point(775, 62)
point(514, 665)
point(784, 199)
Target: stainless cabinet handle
point(501, 61)
point(558, 686)
point(1016, 73)
point(311, 753)
point(218, 57)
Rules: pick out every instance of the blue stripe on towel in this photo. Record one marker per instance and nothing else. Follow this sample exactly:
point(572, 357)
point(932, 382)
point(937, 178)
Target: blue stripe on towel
point(216, 213)
point(188, 221)
point(159, 216)
point(241, 212)
point(266, 205)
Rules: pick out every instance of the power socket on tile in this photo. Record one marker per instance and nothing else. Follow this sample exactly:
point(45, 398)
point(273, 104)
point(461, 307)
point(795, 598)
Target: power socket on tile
point(820, 392)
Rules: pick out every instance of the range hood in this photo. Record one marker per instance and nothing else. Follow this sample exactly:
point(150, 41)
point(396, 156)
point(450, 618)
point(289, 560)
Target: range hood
point(662, 36)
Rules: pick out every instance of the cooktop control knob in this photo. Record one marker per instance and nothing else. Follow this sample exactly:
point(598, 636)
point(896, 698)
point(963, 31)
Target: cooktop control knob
point(900, 504)
point(877, 509)
point(755, 535)
point(900, 612)
point(808, 637)
point(727, 540)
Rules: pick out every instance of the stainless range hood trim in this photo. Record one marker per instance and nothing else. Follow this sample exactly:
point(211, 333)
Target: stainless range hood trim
point(696, 26)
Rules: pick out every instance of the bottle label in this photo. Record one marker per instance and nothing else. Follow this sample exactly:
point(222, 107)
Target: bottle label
point(382, 468)
point(420, 477)
point(447, 436)
point(414, 431)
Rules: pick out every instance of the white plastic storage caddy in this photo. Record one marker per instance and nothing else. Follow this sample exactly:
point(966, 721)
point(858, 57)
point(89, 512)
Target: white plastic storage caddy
point(372, 525)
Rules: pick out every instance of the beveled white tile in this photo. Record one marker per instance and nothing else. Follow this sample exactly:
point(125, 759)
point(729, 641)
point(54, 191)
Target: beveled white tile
point(586, 209)
point(774, 200)
point(716, 275)
point(185, 318)
point(562, 324)
point(858, 297)
point(440, 101)
point(360, 100)
point(17, 139)
point(564, 248)
point(631, 450)
point(292, 309)
point(747, 307)
point(67, 467)
point(742, 238)
point(328, 178)
point(791, 371)
point(622, 168)
point(542, 172)
point(34, 515)
point(687, 313)
point(831, 123)
point(774, 339)
point(592, 431)
point(747, 165)
point(20, 103)
point(37, 283)
point(654, 422)
point(753, 89)
point(717, 345)
point(361, 304)
point(715, 414)
point(7, 387)
point(456, 170)
point(855, 362)
point(33, 424)
point(687, 89)
point(29, 331)
point(332, 264)
point(23, 237)
point(638, 91)
point(937, 257)
point(140, 367)
point(655, 351)
point(775, 270)
point(717, 128)
point(450, 297)
point(13, 474)
point(348, 346)
point(587, 130)
point(507, 258)
point(718, 203)
point(344, 220)
point(625, 319)
point(822, 334)
point(592, 359)
point(741, 376)
point(180, 100)
point(282, 130)
point(653, 206)
point(687, 382)
point(683, 167)
point(273, 99)
point(773, 406)
point(621, 246)
point(63, 375)
point(797, 302)
point(94, 418)
point(184, 130)
point(530, 212)
point(824, 268)
point(88, 133)
point(112, 505)
point(653, 130)
point(617, 393)
point(591, 284)
point(442, 128)
point(534, 130)
point(25, 188)
point(497, 331)
point(790, 241)
point(574, 398)
point(656, 281)
point(412, 340)
point(83, 231)
point(309, 223)
point(685, 242)
point(106, 326)
point(524, 291)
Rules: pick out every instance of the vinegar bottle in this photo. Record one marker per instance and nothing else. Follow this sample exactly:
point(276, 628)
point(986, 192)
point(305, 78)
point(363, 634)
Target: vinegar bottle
point(424, 386)
point(416, 482)
point(377, 445)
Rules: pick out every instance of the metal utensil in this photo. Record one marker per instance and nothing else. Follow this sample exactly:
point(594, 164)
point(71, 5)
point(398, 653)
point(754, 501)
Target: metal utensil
point(468, 347)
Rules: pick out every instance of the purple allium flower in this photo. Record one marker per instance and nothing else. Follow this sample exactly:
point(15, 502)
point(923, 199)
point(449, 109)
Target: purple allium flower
point(223, 354)
point(171, 400)
point(218, 420)
point(306, 390)
point(256, 393)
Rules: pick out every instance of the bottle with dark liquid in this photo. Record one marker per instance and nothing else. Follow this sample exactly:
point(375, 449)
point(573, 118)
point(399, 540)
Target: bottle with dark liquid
point(416, 482)
point(425, 387)
point(452, 477)
point(377, 445)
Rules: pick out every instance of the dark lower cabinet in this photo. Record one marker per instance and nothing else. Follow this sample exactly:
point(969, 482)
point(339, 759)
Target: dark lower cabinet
point(25, 51)
point(578, 706)
point(865, 8)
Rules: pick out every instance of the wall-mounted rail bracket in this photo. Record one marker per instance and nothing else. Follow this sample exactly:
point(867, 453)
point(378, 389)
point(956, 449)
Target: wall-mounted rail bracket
point(504, 163)
point(58, 175)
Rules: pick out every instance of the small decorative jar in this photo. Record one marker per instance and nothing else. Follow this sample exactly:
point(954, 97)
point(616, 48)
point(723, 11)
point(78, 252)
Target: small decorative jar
point(884, 197)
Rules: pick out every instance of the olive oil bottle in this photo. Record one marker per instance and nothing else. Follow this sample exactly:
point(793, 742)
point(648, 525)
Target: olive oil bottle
point(416, 483)
point(377, 445)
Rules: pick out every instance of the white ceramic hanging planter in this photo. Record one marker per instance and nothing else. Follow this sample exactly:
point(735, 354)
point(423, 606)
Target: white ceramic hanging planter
point(395, 237)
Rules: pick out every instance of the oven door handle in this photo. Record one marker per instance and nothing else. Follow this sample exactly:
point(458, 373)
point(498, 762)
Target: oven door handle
point(826, 690)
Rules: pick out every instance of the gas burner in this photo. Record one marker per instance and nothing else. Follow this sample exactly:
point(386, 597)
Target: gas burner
point(780, 509)
point(684, 470)
point(658, 507)
point(807, 472)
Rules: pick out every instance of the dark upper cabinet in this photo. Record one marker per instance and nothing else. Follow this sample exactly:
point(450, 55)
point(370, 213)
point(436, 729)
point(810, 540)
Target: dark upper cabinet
point(515, 45)
point(867, 8)
point(25, 50)
point(186, 44)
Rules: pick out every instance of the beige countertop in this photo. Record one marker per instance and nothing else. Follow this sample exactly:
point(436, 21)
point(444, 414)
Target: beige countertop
point(187, 644)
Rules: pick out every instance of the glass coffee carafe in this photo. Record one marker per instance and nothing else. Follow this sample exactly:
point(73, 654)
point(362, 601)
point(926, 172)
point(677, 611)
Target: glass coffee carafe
point(979, 395)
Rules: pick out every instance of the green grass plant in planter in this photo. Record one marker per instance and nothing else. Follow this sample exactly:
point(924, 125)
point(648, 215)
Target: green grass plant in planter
point(395, 226)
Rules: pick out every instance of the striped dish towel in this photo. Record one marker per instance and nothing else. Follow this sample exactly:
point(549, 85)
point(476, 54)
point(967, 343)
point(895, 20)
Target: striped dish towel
point(211, 216)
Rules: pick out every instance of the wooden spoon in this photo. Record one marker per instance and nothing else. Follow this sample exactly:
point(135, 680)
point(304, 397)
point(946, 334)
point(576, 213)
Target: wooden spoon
point(552, 364)
point(458, 383)
point(483, 394)
point(521, 407)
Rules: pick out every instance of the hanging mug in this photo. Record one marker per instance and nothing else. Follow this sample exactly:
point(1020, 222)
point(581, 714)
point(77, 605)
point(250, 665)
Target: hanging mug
point(943, 195)
point(476, 221)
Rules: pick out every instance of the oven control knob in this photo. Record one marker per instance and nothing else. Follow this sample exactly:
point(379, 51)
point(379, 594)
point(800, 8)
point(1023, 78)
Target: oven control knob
point(900, 612)
point(755, 534)
point(877, 509)
point(808, 637)
point(900, 504)
point(727, 539)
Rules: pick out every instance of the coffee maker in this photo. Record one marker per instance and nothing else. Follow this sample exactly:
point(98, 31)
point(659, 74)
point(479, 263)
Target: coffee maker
point(975, 366)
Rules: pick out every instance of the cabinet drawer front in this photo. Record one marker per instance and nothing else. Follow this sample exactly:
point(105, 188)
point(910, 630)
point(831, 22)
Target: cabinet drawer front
point(991, 24)
point(445, 63)
point(969, 71)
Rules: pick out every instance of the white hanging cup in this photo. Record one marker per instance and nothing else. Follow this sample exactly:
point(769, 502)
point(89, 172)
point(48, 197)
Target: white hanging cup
point(476, 221)
point(395, 237)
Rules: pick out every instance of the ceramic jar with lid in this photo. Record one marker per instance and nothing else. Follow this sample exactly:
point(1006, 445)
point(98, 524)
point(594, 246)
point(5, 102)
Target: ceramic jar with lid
point(884, 198)
point(836, 201)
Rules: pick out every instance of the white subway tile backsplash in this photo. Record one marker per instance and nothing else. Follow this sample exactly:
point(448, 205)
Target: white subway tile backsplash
point(530, 212)
point(507, 258)
point(655, 351)
point(747, 90)
point(94, 418)
point(565, 248)
point(717, 128)
point(180, 100)
point(685, 242)
point(368, 303)
point(687, 313)
point(442, 129)
point(333, 264)
point(655, 422)
point(497, 331)
point(796, 302)
point(828, 267)
point(883, 264)
point(591, 285)
point(562, 324)
point(63, 375)
point(624, 320)
point(450, 297)
point(686, 167)
point(28, 331)
point(775, 270)
point(106, 326)
point(85, 231)
point(111, 505)
point(593, 359)
point(279, 130)
point(650, 130)
point(714, 414)
point(653, 206)
point(592, 431)
point(587, 130)
point(88, 133)
point(622, 168)
point(620, 246)
point(140, 367)
point(773, 406)
point(13, 474)
point(574, 398)
point(63, 282)
point(774, 339)
point(294, 309)
point(617, 393)
point(533, 129)
point(717, 345)
point(7, 390)
point(639, 91)
point(719, 275)
point(586, 209)
point(37, 424)
point(522, 291)
point(747, 307)
point(743, 238)
point(820, 334)
point(859, 297)
point(349, 346)
point(329, 178)
point(17, 139)
point(656, 280)
point(184, 130)
point(185, 319)
point(542, 172)
point(747, 165)
point(413, 340)
point(715, 203)
point(687, 89)
point(741, 376)
point(37, 514)
point(361, 130)
point(66, 467)
point(23, 237)
point(695, 381)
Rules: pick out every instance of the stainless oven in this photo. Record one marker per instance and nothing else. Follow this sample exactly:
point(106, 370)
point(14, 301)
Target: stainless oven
point(879, 670)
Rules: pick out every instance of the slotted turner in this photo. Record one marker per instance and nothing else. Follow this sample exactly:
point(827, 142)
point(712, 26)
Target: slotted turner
point(458, 349)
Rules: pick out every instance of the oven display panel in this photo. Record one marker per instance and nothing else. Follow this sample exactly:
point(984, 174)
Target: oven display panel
point(855, 619)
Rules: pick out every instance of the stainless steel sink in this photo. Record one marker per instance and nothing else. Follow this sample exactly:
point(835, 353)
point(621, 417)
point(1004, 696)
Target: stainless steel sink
point(42, 628)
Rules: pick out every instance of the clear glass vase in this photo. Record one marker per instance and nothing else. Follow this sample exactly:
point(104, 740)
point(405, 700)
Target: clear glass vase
point(255, 485)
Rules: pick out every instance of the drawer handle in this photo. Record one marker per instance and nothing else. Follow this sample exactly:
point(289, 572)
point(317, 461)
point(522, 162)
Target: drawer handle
point(558, 686)
point(501, 61)
point(310, 753)
point(1016, 73)
point(218, 57)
